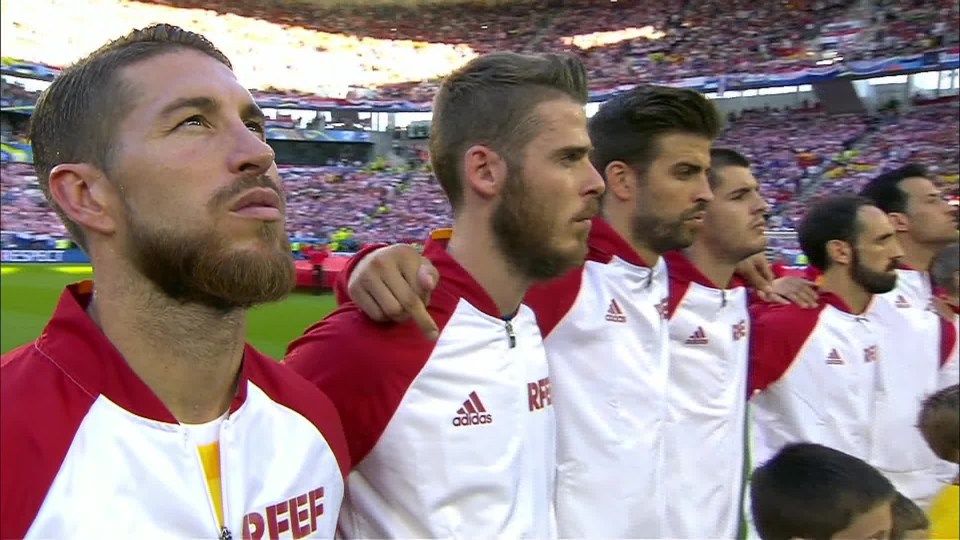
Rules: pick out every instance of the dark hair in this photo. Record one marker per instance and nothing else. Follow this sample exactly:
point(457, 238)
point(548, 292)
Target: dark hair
point(945, 266)
point(627, 128)
point(811, 491)
point(939, 422)
point(885, 191)
point(76, 117)
point(907, 516)
point(491, 101)
point(834, 218)
point(721, 158)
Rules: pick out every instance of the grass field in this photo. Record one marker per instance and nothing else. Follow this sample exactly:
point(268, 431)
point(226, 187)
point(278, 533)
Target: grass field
point(29, 293)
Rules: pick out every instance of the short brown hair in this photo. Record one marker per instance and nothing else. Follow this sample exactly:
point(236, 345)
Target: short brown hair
point(490, 101)
point(939, 422)
point(77, 115)
point(627, 128)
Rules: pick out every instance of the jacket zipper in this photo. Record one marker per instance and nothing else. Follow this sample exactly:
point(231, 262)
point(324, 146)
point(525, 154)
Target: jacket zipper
point(225, 533)
point(191, 444)
point(511, 335)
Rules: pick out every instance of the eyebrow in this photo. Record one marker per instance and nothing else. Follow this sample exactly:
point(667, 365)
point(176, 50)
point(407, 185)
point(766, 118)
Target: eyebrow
point(208, 105)
point(886, 236)
point(579, 150)
point(693, 166)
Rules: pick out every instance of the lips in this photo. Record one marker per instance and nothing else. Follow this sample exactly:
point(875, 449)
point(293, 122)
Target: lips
point(260, 203)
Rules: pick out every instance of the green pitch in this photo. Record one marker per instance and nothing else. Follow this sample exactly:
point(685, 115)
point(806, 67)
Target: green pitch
point(29, 293)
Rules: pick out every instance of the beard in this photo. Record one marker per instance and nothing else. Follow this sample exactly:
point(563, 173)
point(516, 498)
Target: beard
point(201, 268)
point(872, 281)
point(523, 230)
point(661, 234)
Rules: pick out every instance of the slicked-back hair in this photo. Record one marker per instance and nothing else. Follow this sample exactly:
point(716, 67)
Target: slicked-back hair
point(939, 422)
point(491, 101)
point(812, 491)
point(627, 128)
point(721, 158)
point(834, 218)
point(885, 191)
point(945, 266)
point(76, 117)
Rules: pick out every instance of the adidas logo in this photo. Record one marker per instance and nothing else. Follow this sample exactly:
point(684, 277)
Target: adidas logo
point(472, 413)
point(902, 302)
point(698, 337)
point(614, 313)
point(871, 354)
point(834, 358)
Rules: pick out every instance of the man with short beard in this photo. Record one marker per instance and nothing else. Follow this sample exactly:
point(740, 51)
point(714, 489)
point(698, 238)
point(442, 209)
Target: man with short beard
point(917, 340)
point(813, 372)
point(457, 436)
point(140, 410)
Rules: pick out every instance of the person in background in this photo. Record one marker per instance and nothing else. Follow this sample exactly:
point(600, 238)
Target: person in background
point(917, 342)
point(810, 491)
point(939, 423)
point(140, 411)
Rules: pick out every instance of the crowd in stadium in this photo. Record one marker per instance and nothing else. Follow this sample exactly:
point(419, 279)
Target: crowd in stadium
point(793, 151)
point(390, 52)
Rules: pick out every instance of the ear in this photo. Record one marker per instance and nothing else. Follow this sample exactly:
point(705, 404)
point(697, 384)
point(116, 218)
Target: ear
point(899, 221)
point(485, 172)
point(621, 180)
point(840, 252)
point(84, 193)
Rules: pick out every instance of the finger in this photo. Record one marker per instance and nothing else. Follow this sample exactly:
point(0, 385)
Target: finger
point(426, 323)
point(386, 299)
point(411, 301)
point(778, 299)
point(766, 271)
point(798, 298)
point(427, 278)
point(809, 298)
point(368, 305)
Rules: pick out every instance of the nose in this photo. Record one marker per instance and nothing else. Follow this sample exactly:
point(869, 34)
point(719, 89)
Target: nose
point(763, 207)
point(704, 194)
point(251, 153)
point(593, 184)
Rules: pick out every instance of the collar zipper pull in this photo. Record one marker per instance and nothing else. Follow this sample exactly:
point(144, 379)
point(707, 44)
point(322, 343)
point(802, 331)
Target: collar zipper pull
point(225, 534)
point(723, 296)
point(511, 335)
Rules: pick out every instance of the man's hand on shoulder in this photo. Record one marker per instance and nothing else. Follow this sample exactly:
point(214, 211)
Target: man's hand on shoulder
point(394, 284)
point(797, 290)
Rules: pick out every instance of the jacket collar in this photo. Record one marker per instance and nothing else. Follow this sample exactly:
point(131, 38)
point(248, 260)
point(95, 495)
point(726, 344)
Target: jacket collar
point(77, 346)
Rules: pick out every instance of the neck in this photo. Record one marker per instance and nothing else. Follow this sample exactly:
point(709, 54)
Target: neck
point(474, 248)
point(713, 265)
point(837, 281)
point(915, 255)
point(188, 355)
point(620, 222)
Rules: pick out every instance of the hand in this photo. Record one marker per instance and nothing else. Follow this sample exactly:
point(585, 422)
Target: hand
point(394, 284)
point(942, 308)
point(797, 290)
point(759, 276)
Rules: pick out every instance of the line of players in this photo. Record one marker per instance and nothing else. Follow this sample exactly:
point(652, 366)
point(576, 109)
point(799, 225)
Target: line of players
point(604, 359)
point(653, 344)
